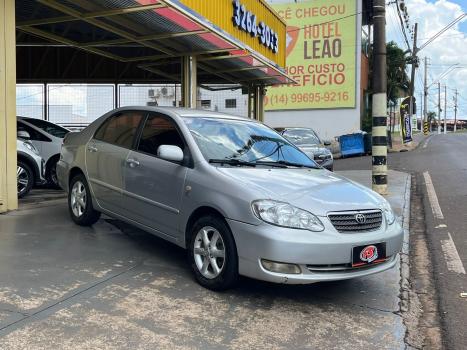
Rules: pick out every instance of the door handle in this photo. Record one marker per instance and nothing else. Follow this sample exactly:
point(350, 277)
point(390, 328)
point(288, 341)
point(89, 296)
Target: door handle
point(133, 163)
point(92, 149)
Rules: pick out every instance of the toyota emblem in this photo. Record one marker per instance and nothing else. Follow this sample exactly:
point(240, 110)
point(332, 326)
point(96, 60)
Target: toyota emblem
point(360, 218)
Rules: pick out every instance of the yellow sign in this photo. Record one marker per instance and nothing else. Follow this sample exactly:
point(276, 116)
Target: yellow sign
point(238, 18)
point(321, 56)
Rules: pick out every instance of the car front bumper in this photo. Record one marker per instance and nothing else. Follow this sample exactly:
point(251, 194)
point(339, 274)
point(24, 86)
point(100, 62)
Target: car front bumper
point(321, 256)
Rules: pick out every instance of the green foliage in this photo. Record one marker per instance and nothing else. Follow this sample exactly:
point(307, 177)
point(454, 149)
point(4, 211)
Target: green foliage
point(398, 81)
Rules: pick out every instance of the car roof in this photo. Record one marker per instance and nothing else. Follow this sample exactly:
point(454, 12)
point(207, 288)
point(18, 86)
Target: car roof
point(187, 112)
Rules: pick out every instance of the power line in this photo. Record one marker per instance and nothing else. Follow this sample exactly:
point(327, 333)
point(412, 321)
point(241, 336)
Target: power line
point(402, 25)
point(442, 31)
point(395, 23)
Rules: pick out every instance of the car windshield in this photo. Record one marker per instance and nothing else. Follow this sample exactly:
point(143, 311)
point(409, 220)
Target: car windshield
point(48, 127)
point(302, 137)
point(238, 142)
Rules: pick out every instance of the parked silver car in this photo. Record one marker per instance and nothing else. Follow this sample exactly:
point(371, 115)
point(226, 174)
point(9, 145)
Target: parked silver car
point(30, 166)
point(311, 144)
point(47, 137)
point(241, 198)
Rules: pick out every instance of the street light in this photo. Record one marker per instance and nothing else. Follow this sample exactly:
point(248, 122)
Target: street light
point(437, 80)
point(445, 73)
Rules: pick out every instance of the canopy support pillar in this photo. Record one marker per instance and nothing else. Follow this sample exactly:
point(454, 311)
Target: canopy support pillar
point(189, 81)
point(258, 103)
point(8, 157)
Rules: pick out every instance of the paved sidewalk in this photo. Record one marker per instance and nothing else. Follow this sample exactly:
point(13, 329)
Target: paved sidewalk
point(68, 287)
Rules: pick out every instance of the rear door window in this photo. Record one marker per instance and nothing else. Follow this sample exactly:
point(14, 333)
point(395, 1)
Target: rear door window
point(120, 129)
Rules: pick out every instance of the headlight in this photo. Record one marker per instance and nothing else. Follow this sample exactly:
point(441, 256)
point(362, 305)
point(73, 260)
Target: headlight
point(286, 215)
point(31, 147)
point(388, 213)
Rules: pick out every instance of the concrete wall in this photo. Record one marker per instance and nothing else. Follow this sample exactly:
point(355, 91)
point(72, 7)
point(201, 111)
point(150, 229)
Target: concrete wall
point(327, 122)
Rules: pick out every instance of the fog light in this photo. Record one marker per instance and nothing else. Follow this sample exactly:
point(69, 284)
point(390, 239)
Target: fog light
point(278, 267)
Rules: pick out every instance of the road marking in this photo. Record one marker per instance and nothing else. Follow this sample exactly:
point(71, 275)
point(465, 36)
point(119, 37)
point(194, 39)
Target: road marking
point(451, 255)
point(433, 198)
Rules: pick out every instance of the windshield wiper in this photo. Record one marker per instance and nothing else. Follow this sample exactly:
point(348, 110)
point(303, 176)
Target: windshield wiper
point(285, 164)
point(232, 162)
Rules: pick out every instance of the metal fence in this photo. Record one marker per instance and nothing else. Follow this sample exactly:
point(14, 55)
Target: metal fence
point(77, 105)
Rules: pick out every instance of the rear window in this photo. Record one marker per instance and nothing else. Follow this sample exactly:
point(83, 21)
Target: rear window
point(48, 127)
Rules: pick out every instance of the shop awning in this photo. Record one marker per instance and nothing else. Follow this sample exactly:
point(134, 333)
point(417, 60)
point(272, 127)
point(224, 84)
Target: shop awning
point(145, 35)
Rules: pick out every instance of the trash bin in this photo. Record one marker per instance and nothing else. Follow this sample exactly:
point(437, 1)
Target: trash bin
point(352, 144)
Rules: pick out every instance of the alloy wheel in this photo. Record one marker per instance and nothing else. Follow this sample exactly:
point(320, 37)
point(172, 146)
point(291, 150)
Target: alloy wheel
point(209, 252)
point(53, 175)
point(78, 199)
point(23, 179)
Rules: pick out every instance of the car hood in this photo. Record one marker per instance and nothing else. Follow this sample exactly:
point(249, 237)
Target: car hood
point(316, 190)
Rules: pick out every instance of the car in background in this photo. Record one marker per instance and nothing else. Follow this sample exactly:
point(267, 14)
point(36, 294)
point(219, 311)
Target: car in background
point(30, 168)
point(311, 144)
point(241, 198)
point(47, 137)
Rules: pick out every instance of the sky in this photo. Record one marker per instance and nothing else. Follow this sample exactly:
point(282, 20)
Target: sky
point(449, 49)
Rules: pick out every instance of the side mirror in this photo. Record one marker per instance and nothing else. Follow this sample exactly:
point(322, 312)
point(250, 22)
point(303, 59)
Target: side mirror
point(170, 153)
point(327, 143)
point(23, 135)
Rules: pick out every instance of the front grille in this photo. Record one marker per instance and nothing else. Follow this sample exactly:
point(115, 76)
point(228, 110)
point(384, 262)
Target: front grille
point(346, 222)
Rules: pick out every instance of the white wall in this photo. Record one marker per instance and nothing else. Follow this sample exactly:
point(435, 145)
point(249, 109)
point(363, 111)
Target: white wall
point(327, 122)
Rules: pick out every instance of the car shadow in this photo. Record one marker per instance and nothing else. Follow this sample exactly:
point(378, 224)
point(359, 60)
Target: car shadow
point(172, 256)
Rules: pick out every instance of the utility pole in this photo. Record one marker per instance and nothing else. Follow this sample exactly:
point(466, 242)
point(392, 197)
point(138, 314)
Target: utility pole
point(455, 111)
point(379, 104)
point(414, 67)
point(445, 103)
point(425, 99)
point(421, 112)
point(439, 108)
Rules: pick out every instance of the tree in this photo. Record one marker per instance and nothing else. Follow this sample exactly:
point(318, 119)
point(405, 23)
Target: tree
point(431, 116)
point(398, 81)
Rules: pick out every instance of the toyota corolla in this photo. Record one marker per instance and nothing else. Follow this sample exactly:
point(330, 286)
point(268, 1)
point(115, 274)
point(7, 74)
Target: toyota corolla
point(237, 195)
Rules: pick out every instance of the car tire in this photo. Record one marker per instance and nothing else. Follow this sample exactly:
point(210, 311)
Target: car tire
point(80, 202)
point(51, 174)
point(25, 178)
point(215, 268)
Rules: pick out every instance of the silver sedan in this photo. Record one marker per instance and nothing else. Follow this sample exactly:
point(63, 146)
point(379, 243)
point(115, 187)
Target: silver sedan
point(238, 196)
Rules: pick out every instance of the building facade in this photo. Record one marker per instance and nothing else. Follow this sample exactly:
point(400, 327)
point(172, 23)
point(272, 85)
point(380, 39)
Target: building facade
point(327, 55)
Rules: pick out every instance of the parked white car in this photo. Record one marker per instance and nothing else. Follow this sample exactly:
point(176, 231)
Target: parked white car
point(30, 167)
point(47, 137)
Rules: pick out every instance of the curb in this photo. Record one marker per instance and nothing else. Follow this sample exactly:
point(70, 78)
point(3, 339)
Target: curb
point(405, 289)
point(404, 268)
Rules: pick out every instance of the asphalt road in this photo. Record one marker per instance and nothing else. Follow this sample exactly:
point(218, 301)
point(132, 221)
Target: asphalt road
point(440, 166)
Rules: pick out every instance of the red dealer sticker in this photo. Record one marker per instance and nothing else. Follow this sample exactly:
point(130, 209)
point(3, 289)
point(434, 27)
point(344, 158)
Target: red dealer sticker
point(368, 254)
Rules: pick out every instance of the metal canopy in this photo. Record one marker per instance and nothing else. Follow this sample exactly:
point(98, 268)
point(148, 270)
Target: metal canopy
point(130, 41)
